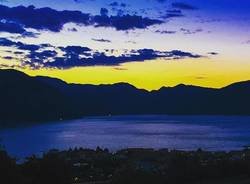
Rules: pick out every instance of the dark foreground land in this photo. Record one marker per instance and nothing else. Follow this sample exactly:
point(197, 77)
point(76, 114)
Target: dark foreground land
point(130, 166)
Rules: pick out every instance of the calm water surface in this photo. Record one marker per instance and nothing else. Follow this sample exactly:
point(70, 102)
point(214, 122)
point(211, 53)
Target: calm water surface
point(174, 132)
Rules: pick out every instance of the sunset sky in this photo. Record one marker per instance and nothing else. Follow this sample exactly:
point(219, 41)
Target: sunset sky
point(147, 43)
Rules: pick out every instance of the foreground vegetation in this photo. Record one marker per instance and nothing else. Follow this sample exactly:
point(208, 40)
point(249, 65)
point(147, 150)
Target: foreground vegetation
point(130, 166)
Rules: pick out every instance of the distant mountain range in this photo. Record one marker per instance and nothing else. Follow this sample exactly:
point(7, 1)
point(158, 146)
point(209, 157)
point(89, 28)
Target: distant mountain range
point(28, 99)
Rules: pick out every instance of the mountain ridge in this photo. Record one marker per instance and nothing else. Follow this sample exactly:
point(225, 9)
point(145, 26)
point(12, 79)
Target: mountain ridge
point(26, 98)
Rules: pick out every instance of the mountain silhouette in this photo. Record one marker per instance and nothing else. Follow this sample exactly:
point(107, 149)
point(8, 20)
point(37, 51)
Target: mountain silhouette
point(25, 98)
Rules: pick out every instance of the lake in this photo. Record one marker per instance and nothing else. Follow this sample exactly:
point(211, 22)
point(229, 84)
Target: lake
point(212, 133)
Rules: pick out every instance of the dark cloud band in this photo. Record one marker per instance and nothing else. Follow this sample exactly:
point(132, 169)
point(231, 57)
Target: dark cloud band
point(53, 20)
point(40, 56)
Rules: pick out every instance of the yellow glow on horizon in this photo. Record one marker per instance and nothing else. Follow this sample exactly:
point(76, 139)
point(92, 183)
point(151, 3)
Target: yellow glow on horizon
point(155, 74)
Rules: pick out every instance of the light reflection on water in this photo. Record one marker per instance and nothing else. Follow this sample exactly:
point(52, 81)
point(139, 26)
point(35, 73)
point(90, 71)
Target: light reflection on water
point(173, 132)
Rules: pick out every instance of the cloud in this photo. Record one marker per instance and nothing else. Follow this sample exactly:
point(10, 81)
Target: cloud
point(42, 18)
point(127, 22)
point(165, 32)
point(75, 50)
point(120, 69)
point(12, 27)
point(172, 14)
point(131, 42)
point(101, 40)
point(53, 20)
point(119, 8)
point(40, 56)
point(174, 11)
point(183, 6)
point(19, 45)
point(104, 12)
point(213, 53)
point(117, 4)
point(35, 56)
point(114, 4)
point(8, 57)
point(101, 59)
point(200, 78)
point(72, 29)
point(188, 31)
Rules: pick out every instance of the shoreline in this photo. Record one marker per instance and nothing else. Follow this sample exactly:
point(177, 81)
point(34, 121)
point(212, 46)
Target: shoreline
point(133, 166)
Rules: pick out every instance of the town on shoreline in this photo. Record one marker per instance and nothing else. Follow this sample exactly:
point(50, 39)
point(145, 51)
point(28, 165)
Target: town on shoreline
point(128, 166)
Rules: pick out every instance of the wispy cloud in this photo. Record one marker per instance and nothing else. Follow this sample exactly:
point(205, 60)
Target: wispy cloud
point(184, 6)
point(101, 40)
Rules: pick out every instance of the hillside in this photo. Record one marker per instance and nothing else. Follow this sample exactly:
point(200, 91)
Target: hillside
point(25, 98)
